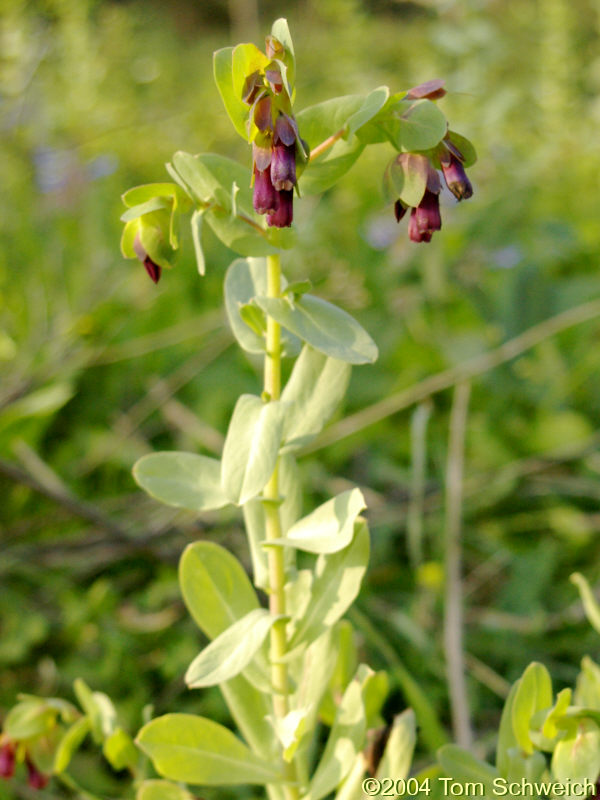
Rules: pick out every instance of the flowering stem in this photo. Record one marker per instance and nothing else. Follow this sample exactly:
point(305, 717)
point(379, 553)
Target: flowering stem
point(326, 144)
point(277, 604)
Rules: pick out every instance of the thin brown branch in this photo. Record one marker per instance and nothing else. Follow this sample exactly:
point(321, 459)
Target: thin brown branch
point(465, 371)
point(453, 612)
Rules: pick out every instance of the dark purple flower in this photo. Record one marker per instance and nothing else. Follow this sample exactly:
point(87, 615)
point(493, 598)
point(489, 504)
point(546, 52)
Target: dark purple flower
point(399, 210)
point(283, 167)
point(35, 778)
point(7, 760)
point(456, 178)
point(414, 234)
point(282, 216)
point(152, 268)
point(427, 213)
point(264, 198)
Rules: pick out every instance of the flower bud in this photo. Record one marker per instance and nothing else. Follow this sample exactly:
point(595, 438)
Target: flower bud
point(283, 167)
point(282, 216)
point(7, 760)
point(152, 268)
point(399, 210)
point(264, 198)
point(456, 178)
point(35, 778)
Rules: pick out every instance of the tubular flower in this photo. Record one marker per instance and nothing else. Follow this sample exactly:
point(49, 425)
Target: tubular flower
point(35, 778)
point(7, 760)
point(152, 268)
point(456, 177)
point(425, 218)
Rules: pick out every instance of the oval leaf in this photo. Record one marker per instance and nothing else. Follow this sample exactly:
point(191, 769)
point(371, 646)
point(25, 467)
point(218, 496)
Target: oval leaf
point(215, 587)
point(328, 528)
point(534, 693)
point(70, 743)
point(372, 103)
point(337, 582)
point(162, 790)
point(326, 327)
point(312, 394)
point(234, 105)
point(398, 753)
point(232, 651)
point(251, 447)
point(421, 127)
point(183, 480)
point(198, 751)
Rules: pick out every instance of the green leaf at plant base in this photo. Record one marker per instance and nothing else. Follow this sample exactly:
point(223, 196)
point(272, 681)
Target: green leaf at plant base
point(312, 394)
point(577, 757)
point(328, 528)
point(345, 740)
point(251, 447)
point(533, 694)
point(290, 489)
point(324, 326)
point(398, 752)
point(337, 582)
point(463, 767)
point(162, 790)
point(590, 604)
point(234, 105)
point(195, 750)
point(70, 743)
point(230, 653)
point(246, 279)
point(183, 480)
point(215, 587)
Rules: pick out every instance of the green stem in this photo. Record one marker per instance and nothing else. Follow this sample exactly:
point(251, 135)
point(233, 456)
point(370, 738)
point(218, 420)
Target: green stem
point(277, 604)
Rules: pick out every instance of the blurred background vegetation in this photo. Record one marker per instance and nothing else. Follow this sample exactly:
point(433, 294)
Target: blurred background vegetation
point(99, 366)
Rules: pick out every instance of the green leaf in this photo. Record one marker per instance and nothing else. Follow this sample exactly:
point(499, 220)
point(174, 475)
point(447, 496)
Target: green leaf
point(312, 394)
point(552, 726)
point(232, 651)
point(406, 178)
point(420, 126)
point(507, 740)
point(148, 191)
point(352, 787)
point(326, 327)
point(281, 32)
point(28, 719)
point(162, 790)
point(372, 104)
point(375, 691)
point(120, 751)
point(327, 529)
point(337, 582)
point(290, 489)
point(154, 204)
point(577, 757)
point(251, 447)
point(398, 753)
point(234, 105)
point(464, 768)
point(344, 742)
point(289, 731)
point(198, 751)
point(250, 708)
point(534, 693)
point(316, 124)
point(215, 587)
point(246, 278)
point(196, 223)
point(246, 59)
point(98, 707)
point(587, 692)
point(464, 145)
point(183, 480)
point(590, 605)
point(314, 674)
point(70, 743)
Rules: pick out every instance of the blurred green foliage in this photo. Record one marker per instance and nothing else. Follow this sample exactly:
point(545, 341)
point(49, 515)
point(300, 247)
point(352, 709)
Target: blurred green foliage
point(99, 366)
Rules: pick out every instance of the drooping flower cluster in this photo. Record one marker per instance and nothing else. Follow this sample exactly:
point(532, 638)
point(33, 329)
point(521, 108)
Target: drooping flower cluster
point(425, 217)
point(276, 144)
point(8, 760)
